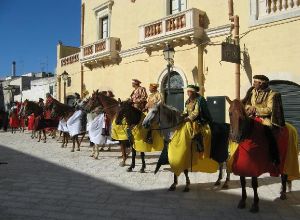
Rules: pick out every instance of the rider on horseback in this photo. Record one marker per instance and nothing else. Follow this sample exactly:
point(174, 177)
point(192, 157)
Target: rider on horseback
point(265, 106)
point(139, 95)
point(154, 97)
point(196, 110)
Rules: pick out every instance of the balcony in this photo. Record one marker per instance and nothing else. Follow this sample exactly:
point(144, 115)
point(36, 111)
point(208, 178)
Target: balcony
point(65, 61)
point(101, 52)
point(267, 11)
point(183, 26)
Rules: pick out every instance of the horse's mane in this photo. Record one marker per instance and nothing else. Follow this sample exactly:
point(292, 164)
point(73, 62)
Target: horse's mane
point(239, 107)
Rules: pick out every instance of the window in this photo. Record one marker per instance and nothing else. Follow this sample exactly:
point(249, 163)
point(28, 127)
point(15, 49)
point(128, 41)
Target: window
point(103, 16)
point(104, 32)
point(177, 6)
point(69, 81)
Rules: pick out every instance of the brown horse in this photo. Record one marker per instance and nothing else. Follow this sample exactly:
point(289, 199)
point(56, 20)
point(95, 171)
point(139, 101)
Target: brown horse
point(252, 139)
point(40, 123)
point(111, 108)
point(65, 112)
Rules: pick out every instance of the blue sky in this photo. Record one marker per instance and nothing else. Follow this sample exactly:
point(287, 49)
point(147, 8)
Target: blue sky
point(31, 29)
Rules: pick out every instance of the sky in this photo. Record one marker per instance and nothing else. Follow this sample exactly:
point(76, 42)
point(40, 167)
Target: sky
point(30, 31)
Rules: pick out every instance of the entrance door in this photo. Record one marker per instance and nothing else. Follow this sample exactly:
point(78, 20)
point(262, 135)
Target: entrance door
point(290, 94)
point(176, 96)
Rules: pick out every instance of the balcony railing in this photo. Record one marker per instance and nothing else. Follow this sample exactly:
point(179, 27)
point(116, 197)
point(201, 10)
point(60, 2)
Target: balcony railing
point(103, 49)
point(266, 11)
point(74, 58)
point(188, 23)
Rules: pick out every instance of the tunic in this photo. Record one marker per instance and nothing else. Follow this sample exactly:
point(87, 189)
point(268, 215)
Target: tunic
point(139, 98)
point(153, 99)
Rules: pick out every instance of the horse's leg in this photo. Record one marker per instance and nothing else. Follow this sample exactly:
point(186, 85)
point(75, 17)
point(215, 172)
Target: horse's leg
point(32, 134)
point(73, 144)
point(132, 161)
point(289, 184)
point(94, 150)
point(242, 203)
point(45, 137)
point(123, 150)
point(81, 139)
point(78, 142)
point(143, 163)
point(97, 151)
point(284, 179)
point(174, 184)
point(218, 182)
point(255, 207)
point(225, 185)
point(40, 135)
point(188, 182)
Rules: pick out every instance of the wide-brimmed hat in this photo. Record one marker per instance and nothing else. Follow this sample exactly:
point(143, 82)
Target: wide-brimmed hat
point(154, 85)
point(136, 81)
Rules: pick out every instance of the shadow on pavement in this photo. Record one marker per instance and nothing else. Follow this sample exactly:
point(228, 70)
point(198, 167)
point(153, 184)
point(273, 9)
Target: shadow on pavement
point(31, 188)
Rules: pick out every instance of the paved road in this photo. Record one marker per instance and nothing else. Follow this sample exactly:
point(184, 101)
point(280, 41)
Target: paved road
point(43, 181)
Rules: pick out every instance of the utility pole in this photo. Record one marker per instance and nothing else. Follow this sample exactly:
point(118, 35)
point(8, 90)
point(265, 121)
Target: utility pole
point(235, 28)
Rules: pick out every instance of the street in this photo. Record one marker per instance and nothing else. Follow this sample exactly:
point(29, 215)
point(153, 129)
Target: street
point(44, 181)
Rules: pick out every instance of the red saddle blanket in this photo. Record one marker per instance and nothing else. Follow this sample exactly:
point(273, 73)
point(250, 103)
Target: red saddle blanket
point(252, 157)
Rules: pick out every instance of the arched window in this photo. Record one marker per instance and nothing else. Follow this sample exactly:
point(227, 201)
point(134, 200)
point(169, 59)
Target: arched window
point(176, 96)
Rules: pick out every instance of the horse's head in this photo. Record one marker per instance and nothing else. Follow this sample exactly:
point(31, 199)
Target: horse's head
point(93, 101)
point(25, 109)
point(55, 111)
point(131, 114)
point(152, 116)
point(238, 120)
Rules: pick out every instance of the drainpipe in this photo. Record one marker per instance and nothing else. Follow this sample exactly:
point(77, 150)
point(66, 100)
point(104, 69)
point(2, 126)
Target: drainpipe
point(235, 27)
point(82, 43)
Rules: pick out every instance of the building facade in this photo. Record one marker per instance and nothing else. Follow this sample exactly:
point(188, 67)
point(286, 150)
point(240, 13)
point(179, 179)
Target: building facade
point(124, 39)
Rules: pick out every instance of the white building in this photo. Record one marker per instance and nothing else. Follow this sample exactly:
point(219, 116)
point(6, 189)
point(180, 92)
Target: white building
point(38, 89)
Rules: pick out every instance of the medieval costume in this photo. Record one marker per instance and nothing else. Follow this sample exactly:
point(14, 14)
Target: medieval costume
point(191, 143)
point(13, 118)
point(154, 97)
point(139, 95)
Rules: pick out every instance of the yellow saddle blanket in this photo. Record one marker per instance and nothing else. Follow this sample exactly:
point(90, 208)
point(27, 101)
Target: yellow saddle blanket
point(182, 153)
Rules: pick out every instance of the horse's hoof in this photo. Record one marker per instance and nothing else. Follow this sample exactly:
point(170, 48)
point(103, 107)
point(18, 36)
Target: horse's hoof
point(38, 141)
point(78, 149)
point(172, 188)
point(122, 164)
point(242, 204)
point(101, 149)
point(96, 158)
point(45, 141)
point(130, 169)
point(186, 189)
point(92, 155)
point(283, 196)
point(254, 208)
point(142, 170)
point(72, 150)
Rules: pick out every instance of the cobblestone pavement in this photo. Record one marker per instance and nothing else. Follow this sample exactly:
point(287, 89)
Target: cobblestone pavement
point(43, 181)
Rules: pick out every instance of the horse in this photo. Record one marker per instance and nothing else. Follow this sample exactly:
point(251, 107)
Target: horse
point(111, 107)
point(169, 119)
point(250, 135)
point(132, 117)
point(40, 123)
point(65, 112)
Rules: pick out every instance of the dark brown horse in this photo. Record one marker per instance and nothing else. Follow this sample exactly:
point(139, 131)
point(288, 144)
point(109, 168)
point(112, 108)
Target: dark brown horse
point(252, 139)
point(111, 107)
point(40, 123)
point(65, 112)
point(132, 117)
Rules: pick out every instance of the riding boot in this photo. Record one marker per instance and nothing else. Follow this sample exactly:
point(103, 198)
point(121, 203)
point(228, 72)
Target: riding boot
point(273, 147)
point(149, 139)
